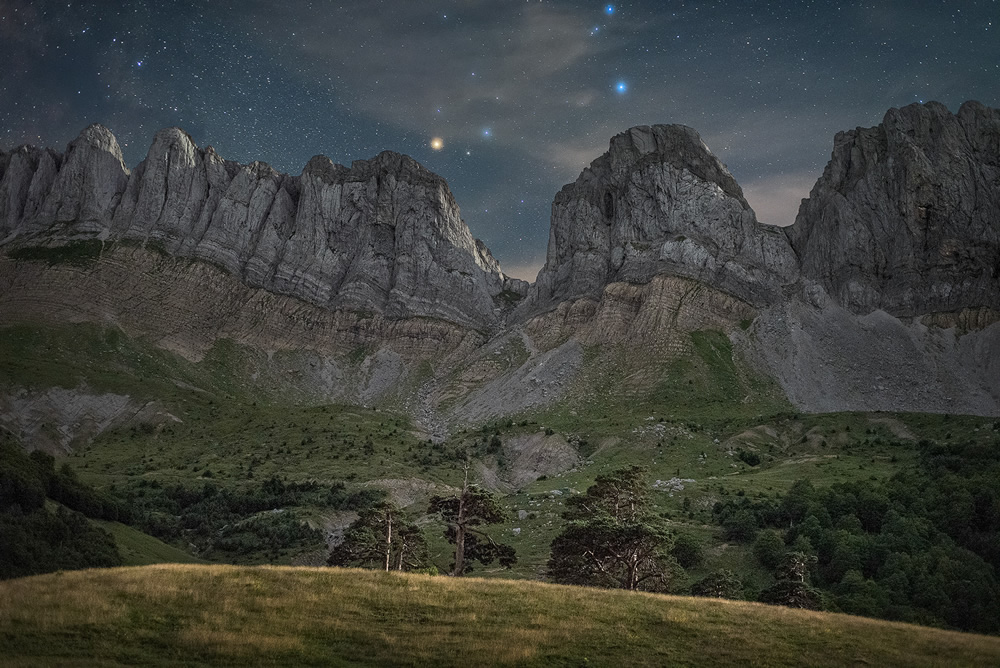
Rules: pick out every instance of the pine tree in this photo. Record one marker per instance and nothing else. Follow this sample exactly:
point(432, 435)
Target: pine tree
point(613, 539)
point(465, 514)
point(381, 538)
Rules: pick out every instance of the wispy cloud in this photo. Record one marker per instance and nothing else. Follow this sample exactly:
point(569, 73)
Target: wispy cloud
point(776, 199)
point(454, 70)
point(526, 271)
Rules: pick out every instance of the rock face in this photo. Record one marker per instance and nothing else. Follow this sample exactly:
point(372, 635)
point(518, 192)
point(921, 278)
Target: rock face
point(382, 236)
point(72, 194)
point(906, 217)
point(885, 294)
point(659, 202)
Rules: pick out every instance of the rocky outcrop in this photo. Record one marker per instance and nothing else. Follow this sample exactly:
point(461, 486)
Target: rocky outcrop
point(186, 308)
point(293, 349)
point(659, 202)
point(68, 196)
point(906, 217)
point(384, 235)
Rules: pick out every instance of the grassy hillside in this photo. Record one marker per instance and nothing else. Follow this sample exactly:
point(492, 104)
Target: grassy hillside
point(708, 430)
point(138, 549)
point(216, 615)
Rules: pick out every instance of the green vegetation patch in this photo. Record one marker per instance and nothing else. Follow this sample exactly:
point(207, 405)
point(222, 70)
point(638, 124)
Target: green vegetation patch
point(139, 549)
point(78, 253)
point(43, 516)
point(105, 360)
point(922, 546)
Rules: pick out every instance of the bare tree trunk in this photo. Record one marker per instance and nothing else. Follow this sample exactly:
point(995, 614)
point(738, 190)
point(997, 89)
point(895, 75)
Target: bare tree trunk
point(459, 549)
point(460, 527)
point(388, 539)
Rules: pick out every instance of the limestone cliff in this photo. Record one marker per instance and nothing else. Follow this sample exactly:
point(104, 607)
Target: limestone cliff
point(384, 235)
point(659, 202)
point(905, 216)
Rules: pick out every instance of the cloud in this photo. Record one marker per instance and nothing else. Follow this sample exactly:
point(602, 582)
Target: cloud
point(526, 271)
point(776, 199)
point(569, 159)
point(450, 70)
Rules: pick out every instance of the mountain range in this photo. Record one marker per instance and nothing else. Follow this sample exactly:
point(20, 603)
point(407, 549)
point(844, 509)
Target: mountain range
point(364, 285)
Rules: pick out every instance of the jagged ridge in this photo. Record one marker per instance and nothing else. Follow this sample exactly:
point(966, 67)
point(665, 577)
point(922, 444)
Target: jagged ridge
point(384, 235)
point(902, 221)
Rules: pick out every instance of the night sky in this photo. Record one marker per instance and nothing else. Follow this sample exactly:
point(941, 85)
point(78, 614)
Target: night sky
point(520, 95)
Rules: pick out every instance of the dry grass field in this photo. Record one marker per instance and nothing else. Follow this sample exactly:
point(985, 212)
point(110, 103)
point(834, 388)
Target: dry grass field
point(227, 615)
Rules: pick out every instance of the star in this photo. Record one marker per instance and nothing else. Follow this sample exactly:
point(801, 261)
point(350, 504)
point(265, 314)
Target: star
point(621, 87)
point(609, 9)
point(437, 143)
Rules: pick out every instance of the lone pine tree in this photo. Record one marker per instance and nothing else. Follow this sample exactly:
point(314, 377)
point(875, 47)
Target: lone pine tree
point(465, 515)
point(613, 539)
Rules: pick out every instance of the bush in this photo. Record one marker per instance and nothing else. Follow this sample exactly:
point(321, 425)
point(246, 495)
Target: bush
point(688, 550)
point(237, 521)
point(42, 542)
point(740, 525)
point(769, 548)
point(720, 584)
point(20, 489)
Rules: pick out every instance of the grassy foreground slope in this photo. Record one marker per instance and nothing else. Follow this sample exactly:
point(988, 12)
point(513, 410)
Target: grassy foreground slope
point(226, 615)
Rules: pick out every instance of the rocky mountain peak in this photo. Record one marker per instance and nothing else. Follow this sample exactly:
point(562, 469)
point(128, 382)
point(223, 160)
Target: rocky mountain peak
point(658, 202)
point(678, 145)
point(172, 143)
point(904, 217)
point(99, 138)
point(324, 168)
point(397, 163)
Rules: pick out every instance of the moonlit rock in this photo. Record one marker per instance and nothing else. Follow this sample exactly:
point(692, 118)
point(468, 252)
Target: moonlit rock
point(884, 295)
point(659, 202)
point(383, 236)
point(905, 216)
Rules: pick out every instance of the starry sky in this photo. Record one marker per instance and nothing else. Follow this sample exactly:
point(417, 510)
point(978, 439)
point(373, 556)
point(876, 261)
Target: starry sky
point(506, 99)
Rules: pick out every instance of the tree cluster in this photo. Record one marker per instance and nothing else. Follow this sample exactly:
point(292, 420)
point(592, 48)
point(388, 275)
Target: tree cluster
point(923, 546)
point(36, 540)
point(237, 523)
point(382, 538)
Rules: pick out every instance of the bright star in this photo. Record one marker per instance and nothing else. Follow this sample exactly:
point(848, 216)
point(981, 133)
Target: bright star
point(487, 132)
point(609, 9)
point(138, 63)
point(621, 87)
point(437, 143)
